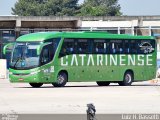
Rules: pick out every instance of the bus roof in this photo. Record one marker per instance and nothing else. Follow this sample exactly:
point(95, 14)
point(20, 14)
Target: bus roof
point(42, 36)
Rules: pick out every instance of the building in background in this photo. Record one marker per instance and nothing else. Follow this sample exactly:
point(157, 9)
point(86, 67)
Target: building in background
point(12, 27)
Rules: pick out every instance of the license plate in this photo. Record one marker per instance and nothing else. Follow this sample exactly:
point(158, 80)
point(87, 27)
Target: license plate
point(21, 79)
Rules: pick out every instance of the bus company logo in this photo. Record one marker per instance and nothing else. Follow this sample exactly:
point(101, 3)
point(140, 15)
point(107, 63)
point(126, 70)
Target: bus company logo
point(13, 116)
point(146, 47)
point(107, 60)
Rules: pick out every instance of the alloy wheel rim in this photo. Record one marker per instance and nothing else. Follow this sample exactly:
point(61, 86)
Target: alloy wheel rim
point(128, 78)
point(60, 79)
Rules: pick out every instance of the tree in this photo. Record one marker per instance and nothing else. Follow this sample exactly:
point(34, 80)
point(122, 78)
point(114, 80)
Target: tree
point(45, 7)
point(100, 8)
point(66, 8)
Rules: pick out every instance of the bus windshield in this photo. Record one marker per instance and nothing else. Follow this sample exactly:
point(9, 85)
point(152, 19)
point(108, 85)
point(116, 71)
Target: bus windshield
point(25, 55)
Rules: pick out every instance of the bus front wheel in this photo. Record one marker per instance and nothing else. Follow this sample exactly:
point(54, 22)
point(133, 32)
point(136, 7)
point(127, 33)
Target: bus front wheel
point(36, 85)
point(127, 80)
point(61, 80)
point(103, 83)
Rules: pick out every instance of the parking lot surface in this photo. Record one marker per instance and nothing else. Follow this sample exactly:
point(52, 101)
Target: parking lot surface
point(142, 97)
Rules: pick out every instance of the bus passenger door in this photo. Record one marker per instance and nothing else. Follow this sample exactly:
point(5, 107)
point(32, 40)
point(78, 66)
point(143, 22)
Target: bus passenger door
point(45, 62)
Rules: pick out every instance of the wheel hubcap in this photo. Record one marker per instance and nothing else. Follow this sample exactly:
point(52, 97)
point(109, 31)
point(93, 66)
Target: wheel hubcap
point(60, 79)
point(128, 78)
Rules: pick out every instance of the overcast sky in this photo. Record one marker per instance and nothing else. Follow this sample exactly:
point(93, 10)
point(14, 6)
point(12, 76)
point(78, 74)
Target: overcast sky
point(128, 7)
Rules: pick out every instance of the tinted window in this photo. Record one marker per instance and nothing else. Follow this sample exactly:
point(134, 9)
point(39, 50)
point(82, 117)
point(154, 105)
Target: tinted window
point(47, 54)
point(99, 46)
point(105, 46)
point(75, 46)
point(133, 47)
point(126, 47)
point(116, 46)
point(68, 47)
point(83, 46)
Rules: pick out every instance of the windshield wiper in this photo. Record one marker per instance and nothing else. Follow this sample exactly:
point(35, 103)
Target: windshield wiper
point(19, 58)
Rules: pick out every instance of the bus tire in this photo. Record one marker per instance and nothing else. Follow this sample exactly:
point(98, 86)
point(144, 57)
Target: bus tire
point(127, 80)
point(36, 85)
point(61, 80)
point(103, 83)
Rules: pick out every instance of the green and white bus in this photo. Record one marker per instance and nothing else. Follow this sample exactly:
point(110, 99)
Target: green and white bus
point(60, 57)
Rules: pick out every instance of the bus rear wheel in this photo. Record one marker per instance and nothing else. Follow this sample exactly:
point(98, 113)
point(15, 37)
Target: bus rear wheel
point(36, 85)
point(61, 80)
point(103, 83)
point(127, 80)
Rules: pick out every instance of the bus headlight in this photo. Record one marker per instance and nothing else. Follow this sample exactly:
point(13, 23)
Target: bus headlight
point(35, 72)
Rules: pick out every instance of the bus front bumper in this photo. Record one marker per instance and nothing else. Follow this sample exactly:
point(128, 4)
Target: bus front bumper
point(29, 78)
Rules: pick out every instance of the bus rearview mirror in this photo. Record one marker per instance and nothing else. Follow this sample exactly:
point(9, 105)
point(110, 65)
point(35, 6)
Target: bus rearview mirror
point(7, 46)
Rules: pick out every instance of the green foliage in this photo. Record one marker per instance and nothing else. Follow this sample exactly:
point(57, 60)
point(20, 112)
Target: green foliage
point(100, 8)
point(45, 7)
point(66, 8)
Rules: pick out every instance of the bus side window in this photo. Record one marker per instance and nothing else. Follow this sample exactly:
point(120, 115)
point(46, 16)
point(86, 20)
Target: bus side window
point(68, 47)
point(112, 48)
point(46, 55)
point(106, 46)
point(120, 47)
point(133, 47)
point(83, 46)
point(99, 46)
point(116, 47)
point(126, 47)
